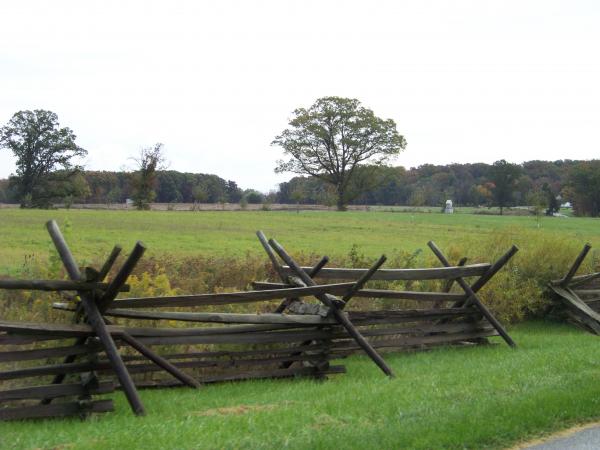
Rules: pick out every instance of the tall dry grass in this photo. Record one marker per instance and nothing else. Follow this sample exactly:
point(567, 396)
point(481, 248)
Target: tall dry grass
point(515, 293)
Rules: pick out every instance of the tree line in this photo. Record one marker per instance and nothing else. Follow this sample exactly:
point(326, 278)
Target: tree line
point(169, 186)
point(535, 182)
point(340, 149)
point(500, 184)
point(345, 150)
point(47, 172)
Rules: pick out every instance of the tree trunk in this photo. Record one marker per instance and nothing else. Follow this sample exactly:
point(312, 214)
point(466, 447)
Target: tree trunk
point(341, 205)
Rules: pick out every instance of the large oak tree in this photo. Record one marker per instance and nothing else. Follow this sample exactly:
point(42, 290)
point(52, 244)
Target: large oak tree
point(332, 138)
point(45, 154)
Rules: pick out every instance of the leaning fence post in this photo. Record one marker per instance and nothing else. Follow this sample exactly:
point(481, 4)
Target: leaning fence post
point(121, 277)
point(573, 270)
point(364, 279)
point(160, 361)
point(472, 296)
point(499, 264)
point(110, 261)
point(330, 301)
point(96, 320)
point(281, 272)
point(99, 277)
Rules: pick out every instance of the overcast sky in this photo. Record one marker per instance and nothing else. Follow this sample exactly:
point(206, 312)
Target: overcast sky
point(215, 81)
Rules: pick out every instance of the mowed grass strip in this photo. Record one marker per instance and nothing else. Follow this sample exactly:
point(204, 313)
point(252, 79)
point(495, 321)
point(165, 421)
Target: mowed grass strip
point(483, 397)
point(219, 233)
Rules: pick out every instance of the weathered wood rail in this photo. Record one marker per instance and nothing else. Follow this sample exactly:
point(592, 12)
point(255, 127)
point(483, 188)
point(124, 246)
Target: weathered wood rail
point(442, 318)
point(23, 401)
point(578, 297)
point(123, 343)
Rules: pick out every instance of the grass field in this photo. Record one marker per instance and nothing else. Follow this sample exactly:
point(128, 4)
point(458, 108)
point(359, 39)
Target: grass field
point(93, 233)
point(484, 397)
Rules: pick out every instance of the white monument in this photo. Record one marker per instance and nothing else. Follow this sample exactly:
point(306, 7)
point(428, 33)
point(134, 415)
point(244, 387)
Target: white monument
point(449, 209)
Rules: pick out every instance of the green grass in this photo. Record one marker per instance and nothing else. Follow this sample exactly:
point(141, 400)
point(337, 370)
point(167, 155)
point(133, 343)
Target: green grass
point(449, 398)
point(485, 397)
point(94, 233)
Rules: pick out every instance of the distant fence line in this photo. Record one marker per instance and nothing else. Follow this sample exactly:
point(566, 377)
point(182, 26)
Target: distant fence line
point(512, 211)
point(202, 206)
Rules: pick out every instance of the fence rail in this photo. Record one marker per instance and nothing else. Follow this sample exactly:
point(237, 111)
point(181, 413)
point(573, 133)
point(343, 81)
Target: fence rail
point(113, 343)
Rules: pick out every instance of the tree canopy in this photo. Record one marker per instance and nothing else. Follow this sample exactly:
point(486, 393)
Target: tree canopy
point(45, 154)
point(333, 137)
point(584, 187)
point(149, 161)
point(504, 175)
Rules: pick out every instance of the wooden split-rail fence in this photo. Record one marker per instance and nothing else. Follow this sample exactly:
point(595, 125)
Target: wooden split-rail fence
point(113, 343)
point(577, 297)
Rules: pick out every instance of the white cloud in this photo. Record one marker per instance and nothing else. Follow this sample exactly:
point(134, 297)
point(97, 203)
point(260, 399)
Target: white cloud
point(216, 81)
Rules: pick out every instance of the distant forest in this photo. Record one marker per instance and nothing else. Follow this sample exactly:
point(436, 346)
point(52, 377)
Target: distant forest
point(576, 182)
point(431, 185)
point(427, 185)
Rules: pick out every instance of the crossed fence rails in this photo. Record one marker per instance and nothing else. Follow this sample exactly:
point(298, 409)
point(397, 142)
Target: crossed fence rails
point(298, 338)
